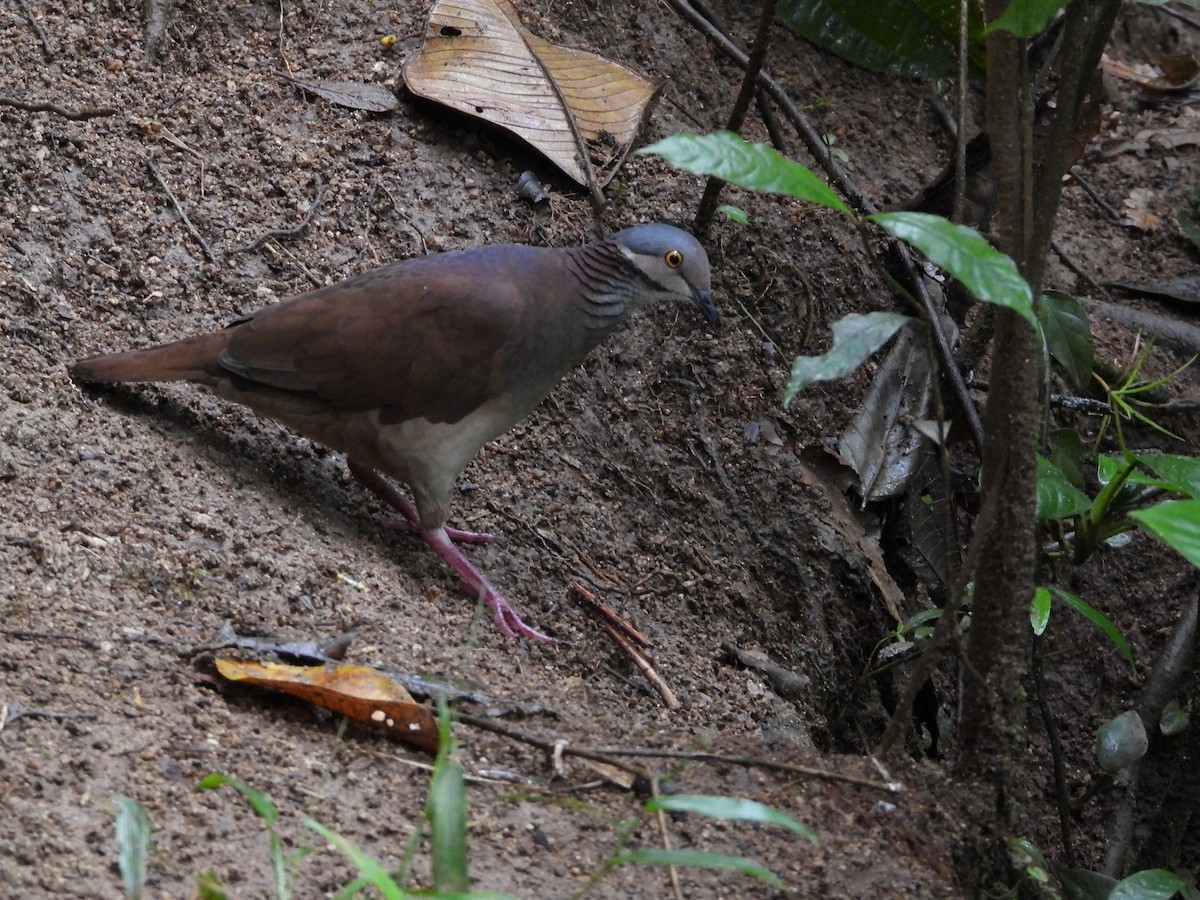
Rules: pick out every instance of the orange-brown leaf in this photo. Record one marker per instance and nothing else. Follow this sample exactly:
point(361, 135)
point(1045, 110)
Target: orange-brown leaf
point(359, 693)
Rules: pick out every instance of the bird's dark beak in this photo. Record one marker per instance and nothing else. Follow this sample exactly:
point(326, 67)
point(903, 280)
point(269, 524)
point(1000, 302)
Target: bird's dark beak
point(704, 300)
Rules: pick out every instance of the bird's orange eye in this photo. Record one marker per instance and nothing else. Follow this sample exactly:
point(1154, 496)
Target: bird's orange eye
point(673, 258)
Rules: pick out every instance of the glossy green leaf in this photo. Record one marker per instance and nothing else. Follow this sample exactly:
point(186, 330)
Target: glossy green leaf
point(1176, 523)
point(1057, 498)
point(1025, 18)
point(965, 253)
point(1113, 465)
point(1066, 451)
point(1149, 884)
point(731, 808)
point(1039, 610)
point(698, 858)
point(917, 38)
point(1180, 473)
point(1101, 621)
point(855, 337)
point(757, 167)
point(133, 844)
point(1068, 335)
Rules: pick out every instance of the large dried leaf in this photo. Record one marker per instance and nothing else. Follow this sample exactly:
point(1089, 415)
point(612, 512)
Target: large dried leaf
point(479, 59)
point(880, 444)
point(356, 692)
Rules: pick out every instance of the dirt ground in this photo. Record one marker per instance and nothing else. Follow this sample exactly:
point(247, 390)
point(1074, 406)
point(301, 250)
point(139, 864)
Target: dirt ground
point(664, 473)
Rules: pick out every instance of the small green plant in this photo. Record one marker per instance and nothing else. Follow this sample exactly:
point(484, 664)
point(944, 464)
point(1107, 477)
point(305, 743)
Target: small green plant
point(728, 808)
point(446, 814)
point(1127, 396)
point(963, 252)
point(133, 844)
point(1148, 884)
point(282, 865)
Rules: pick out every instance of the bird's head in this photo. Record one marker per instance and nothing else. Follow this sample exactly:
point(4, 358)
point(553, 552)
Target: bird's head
point(672, 262)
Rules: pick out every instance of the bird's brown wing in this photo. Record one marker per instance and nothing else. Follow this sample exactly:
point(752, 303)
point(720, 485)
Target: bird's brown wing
point(433, 338)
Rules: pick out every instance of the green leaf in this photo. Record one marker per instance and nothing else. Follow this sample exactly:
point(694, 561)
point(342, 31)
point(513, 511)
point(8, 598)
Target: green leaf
point(698, 858)
point(1181, 473)
point(1174, 719)
point(1057, 498)
point(371, 870)
point(855, 337)
point(1101, 621)
point(1066, 452)
point(1039, 610)
point(1176, 523)
point(731, 808)
point(1149, 884)
point(963, 252)
point(446, 810)
point(917, 38)
point(265, 809)
point(1114, 465)
point(757, 167)
point(734, 212)
point(208, 886)
point(1025, 18)
point(133, 844)
point(1068, 334)
point(1190, 228)
point(259, 802)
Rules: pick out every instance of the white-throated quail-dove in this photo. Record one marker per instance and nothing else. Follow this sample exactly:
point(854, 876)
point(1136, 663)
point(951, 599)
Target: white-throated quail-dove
point(411, 368)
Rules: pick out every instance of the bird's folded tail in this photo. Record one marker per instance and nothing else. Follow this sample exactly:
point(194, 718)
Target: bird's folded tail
point(192, 359)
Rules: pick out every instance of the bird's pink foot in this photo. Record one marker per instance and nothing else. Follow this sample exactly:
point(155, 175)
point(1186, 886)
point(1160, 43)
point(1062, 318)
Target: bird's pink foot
point(455, 534)
point(508, 620)
point(410, 521)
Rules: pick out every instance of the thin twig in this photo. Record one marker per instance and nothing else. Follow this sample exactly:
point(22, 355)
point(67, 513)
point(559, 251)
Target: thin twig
point(187, 223)
point(665, 834)
point(1113, 213)
point(550, 746)
point(47, 47)
point(1062, 794)
point(75, 115)
point(753, 762)
point(737, 115)
point(601, 611)
point(23, 635)
point(50, 714)
point(621, 632)
point(285, 233)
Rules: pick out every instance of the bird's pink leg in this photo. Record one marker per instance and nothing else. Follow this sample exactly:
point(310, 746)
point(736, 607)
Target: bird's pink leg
point(385, 491)
point(507, 619)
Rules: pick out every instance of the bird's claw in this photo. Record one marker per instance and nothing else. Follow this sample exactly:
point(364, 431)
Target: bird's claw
point(458, 535)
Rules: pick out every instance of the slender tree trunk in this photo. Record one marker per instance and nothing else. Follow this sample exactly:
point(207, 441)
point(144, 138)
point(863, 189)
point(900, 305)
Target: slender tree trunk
point(993, 716)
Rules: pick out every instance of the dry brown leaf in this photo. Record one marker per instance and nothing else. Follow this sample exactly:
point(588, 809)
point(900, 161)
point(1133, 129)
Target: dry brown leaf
point(842, 531)
point(479, 59)
point(351, 94)
point(356, 692)
point(1163, 75)
point(1138, 207)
